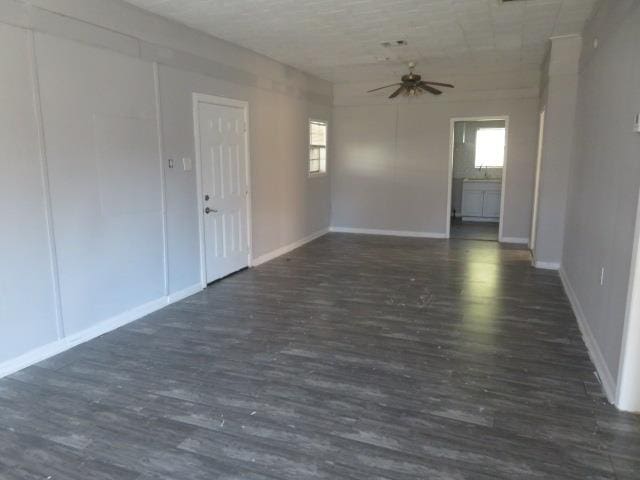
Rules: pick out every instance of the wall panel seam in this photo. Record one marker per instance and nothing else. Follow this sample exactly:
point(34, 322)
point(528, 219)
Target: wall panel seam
point(44, 175)
point(163, 178)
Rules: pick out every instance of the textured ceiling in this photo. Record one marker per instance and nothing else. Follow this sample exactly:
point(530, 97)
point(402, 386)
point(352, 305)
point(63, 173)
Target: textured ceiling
point(340, 40)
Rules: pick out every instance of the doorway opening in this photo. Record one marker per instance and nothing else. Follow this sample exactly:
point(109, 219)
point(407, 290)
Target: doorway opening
point(477, 167)
point(223, 179)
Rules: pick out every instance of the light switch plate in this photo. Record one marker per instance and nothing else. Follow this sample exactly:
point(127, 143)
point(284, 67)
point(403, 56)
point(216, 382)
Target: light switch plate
point(187, 164)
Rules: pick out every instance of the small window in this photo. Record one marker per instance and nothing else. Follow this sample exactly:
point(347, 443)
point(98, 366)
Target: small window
point(490, 147)
point(317, 147)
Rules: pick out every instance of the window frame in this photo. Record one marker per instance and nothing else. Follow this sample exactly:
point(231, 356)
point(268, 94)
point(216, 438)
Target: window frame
point(475, 157)
point(323, 167)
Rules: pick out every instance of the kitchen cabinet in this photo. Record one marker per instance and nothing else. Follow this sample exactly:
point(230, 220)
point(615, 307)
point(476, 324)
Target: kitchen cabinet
point(481, 200)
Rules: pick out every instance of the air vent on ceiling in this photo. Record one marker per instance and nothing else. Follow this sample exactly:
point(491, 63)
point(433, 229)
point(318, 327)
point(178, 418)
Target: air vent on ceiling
point(394, 44)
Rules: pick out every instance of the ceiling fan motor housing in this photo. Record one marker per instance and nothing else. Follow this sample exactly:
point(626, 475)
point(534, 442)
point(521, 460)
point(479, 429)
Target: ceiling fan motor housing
point(411, 78)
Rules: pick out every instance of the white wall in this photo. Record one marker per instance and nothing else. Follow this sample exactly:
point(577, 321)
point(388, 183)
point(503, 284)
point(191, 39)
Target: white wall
point(115, 97)
point(390, 159)
point(604, 181)
point(105, 177)
point(287, 204)
point(558, 100)
point(27, 296)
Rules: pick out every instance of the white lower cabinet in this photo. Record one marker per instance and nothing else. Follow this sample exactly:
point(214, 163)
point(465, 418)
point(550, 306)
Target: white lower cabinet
point(481, 200)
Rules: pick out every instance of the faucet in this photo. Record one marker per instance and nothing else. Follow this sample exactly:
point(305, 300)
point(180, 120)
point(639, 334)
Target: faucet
point(486, 172)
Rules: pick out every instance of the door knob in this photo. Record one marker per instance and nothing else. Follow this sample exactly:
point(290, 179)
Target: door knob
point(210, 210)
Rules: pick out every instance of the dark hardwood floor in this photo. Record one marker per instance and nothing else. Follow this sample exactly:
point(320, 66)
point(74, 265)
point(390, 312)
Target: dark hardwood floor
point(354, 357)
point(474, 230)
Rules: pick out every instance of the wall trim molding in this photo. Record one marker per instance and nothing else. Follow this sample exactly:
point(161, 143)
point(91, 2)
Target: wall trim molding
point(48, 350)
point(604, 374)
point(518, 240)
point(255, 261)
point(184, 293)
point(163, 177)
point(393, 233)
point(115, 322)
point(546, 265)
point(74, 23)
point(46, 188)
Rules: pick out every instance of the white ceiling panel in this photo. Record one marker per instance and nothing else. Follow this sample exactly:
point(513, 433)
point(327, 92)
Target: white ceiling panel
point(340, 39)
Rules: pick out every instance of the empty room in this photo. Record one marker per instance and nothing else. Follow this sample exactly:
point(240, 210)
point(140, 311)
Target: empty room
point(319, 239)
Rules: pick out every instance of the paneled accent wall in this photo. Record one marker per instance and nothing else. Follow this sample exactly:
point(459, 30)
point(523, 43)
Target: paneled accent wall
point(391, 164)
point(97, 228)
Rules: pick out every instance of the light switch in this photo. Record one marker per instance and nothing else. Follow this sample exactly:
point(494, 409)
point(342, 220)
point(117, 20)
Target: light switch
point(187, 164)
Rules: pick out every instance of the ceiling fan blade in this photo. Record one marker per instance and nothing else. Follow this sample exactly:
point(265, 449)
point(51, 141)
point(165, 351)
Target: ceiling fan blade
point(439, 84)
point(429, 89)
point(386, 86)
point(397, 92)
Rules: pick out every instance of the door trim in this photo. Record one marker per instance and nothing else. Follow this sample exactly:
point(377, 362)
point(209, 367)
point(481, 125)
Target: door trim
point(226, 102)
point(452, 123)
point(536, 188)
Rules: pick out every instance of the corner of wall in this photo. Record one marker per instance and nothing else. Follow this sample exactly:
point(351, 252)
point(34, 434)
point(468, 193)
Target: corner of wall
point(604, 374)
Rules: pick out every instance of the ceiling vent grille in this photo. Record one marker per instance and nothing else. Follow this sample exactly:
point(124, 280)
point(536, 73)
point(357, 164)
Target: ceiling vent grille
point(394, 44)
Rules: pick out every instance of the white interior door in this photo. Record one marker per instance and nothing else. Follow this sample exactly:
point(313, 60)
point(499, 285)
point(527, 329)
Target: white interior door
point(223, 156)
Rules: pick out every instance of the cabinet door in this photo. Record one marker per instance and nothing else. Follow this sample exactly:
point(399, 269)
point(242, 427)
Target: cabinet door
point(491, 204)
point(472, 203)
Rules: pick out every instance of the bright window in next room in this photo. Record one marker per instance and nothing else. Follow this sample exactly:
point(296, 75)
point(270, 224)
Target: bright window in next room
point(317, 147)
point(490, 147)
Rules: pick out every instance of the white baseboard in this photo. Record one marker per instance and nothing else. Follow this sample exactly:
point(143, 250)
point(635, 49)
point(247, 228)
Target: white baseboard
point(546, 265)
point(287, 248)
point(518, 240)
point(606, 378)
point(115, 322)
point(33, 356)
point(394, 233)
point(58, 346)
point(184, 293)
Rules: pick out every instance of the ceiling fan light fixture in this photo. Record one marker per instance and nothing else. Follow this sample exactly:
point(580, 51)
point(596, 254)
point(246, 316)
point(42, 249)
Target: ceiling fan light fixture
point(412, 85)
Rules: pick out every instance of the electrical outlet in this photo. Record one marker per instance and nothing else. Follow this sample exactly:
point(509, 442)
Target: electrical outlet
point(602, 276)
point(186, 164)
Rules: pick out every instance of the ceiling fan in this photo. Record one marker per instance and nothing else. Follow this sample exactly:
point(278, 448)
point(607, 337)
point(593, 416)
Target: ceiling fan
point(412, 84)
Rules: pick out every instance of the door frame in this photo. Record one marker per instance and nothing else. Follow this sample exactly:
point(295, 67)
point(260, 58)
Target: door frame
point(536, 188)
point(627, 387)
point(199, 98)
point(488, 118)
